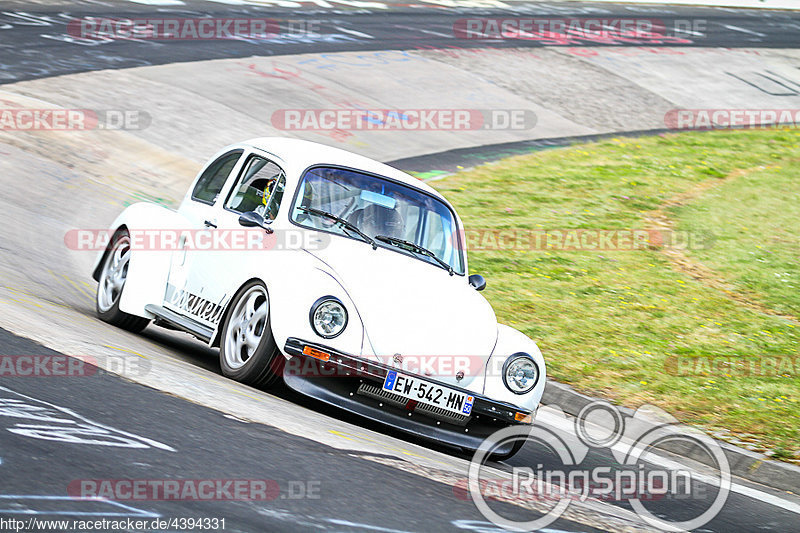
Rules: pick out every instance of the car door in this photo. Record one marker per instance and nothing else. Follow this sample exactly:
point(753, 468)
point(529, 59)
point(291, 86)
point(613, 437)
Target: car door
point(258, 187)
point(201, 210)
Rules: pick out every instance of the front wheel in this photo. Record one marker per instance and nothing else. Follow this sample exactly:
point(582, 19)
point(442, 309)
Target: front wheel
point(112, 282)
point(248, 352)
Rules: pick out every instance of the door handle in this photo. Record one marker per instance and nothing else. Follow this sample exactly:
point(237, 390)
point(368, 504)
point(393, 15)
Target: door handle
point(210, 224)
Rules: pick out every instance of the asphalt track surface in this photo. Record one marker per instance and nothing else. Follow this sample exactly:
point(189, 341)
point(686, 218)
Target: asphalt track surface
point(35, 43)
point(342, 490)
point(186, 441)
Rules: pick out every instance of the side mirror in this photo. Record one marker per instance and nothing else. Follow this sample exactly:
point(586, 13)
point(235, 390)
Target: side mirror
point(251, 219)
point(477, 281)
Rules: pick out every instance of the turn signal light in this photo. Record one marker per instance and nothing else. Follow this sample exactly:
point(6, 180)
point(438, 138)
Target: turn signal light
point(317, 354)
point(525, 418)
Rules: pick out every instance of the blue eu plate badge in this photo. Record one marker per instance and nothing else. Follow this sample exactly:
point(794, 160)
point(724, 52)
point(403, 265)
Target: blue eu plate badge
point(391, 377)
point(468, 405)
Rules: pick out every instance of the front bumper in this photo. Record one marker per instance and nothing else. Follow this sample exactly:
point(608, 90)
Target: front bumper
point(355, 384)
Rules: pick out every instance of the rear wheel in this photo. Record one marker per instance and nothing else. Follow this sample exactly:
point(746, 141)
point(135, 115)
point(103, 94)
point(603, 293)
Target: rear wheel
point(248, 352)
point(111, 283)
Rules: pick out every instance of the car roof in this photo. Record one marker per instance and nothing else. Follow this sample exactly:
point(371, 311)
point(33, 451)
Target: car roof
point(303, 154)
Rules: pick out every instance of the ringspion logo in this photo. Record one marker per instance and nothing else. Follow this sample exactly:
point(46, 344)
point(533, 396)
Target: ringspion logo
point(635, 478)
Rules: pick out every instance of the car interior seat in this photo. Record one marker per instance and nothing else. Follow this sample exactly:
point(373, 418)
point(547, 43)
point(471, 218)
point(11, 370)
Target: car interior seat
point(379, 220)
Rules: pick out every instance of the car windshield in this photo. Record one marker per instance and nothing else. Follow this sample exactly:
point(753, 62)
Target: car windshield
point(378, 207)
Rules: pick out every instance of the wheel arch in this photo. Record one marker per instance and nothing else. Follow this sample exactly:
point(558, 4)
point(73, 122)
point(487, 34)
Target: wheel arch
point(215, 340)
point(148, 269)
point(293, 284)
point(510, 341)
point(101, 259)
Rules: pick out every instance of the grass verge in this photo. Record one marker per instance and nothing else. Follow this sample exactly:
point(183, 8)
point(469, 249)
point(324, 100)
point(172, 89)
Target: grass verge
point(623, 323)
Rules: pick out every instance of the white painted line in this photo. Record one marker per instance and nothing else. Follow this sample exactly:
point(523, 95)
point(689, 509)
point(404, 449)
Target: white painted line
point(159, 2)
point(690, 32)
point(567, 426)
point(70, 412)
point(368, 527)
point(354, 32)
point(429, 32)
point(752, 4)
point(743, 30)
point(134, 512)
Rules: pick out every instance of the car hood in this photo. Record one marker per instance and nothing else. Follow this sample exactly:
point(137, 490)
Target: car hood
point(438, 323)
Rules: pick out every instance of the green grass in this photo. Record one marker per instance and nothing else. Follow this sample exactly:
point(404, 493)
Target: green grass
point(756, 221)
point(608, 322)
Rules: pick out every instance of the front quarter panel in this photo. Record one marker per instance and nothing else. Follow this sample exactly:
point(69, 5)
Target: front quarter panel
point(510, 341)
point(149, 264)
point(295, 280)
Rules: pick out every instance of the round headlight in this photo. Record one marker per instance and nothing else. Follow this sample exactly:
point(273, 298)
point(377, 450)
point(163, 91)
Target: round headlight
point(520, 373)
point(328, 317)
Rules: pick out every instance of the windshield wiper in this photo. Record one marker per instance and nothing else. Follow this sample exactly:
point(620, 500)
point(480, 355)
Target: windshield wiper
point(414, 247)
point(347, 225)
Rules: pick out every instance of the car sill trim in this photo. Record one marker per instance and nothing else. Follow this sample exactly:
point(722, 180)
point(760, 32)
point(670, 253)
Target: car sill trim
point(181, 322)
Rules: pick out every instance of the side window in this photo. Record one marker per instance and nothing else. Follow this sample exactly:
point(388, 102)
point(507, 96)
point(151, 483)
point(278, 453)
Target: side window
point(214, 177)
point(260, 188)
point(275, 198)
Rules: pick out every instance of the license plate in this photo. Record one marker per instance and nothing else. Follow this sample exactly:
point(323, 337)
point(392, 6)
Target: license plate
point(428, 393)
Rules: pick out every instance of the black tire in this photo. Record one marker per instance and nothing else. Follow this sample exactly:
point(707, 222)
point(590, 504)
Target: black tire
point(247, 349)
point(111, 283)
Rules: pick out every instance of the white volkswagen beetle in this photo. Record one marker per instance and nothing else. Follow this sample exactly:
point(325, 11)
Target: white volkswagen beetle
point(342, 275)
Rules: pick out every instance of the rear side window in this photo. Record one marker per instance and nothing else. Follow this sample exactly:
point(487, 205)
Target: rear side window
point(214, 177)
